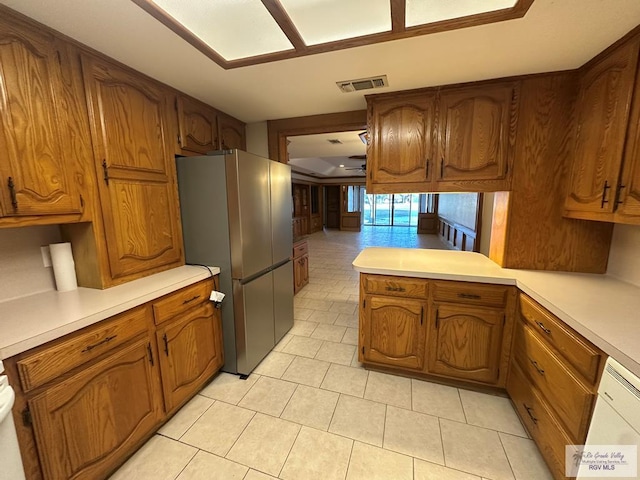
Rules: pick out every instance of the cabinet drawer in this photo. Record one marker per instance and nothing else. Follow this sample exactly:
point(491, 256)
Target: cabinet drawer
point(51, 362)
point(470, 293)
point(539, 420)
point(567, 395)
point(400, 286)
point(175, 303)
point(582, 355)
point(300, 249)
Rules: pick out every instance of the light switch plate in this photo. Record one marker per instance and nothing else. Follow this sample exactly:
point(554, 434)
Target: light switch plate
point(46, 255)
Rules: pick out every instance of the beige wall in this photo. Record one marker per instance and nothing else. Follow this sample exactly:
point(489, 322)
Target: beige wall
point(624, 256)
point(487, 218)
point(258, 139)
point(21, 269)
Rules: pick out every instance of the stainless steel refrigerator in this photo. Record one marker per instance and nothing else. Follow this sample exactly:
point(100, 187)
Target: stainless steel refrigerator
point(236, 215)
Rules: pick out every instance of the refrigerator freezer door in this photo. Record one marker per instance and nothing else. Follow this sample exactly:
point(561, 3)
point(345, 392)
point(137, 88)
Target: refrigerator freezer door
point(283, 299)
point(255, 335)
point(281, 211)
point(249, 213)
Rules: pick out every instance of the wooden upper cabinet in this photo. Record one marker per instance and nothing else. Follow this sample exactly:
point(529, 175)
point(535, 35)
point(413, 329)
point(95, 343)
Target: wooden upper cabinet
point(87, 422)
point(400, 143)
point(135, 168)
point(466, 342)
point(602, 116)
point(197, 126)
point(476, 129)
point(37, 109)
point(231, 132)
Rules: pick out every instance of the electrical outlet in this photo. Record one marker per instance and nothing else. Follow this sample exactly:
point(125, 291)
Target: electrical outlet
point(46, 255)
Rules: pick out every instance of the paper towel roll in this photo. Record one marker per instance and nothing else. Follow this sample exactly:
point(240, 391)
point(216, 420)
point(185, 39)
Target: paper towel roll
point(64, 269)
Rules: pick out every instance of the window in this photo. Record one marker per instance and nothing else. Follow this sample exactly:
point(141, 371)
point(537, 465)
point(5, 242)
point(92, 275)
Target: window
point(353, 197)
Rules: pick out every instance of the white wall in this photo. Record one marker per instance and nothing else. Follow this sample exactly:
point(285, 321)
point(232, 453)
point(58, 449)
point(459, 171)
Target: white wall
point(624, 256)
point(258, 139)
point(21, 270)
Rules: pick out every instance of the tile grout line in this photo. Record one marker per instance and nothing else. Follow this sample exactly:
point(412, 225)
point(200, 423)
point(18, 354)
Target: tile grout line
point(506, 455)
point(290, 449)
point(464, 413)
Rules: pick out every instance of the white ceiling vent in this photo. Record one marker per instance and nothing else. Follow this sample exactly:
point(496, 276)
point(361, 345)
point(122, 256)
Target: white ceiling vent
point(347, 86)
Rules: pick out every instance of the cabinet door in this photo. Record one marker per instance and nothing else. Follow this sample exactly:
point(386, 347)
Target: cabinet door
point(198, 126)
point(87, 423)
point(399, 149)
point(394, 331)
point(136, 169)
point(466, 342)
point(231, 133)
point(36, 114)
point(603, 112)
point(190, 350)
point(476, 130)
point(628, 190)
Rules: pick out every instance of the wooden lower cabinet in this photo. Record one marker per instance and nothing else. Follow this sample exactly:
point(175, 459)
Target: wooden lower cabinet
point(86, 423)
point(190, 351)
point(300, 265)
point(553, 381)
point(96, 395)
point(455, 330)
point(466, 342)
point(393, 331)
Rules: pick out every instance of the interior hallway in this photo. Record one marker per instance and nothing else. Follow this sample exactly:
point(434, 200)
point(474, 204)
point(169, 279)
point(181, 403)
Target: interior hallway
point(310, 411)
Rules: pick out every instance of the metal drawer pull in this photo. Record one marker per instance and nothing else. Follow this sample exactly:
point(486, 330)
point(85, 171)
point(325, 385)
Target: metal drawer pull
point(101, 342)
point(395, 289)
point(191, 299)
point(166, 344)
point(529, 410)
point(535, 365)
point(12, 193)
point(472, 296)
point(543, 328)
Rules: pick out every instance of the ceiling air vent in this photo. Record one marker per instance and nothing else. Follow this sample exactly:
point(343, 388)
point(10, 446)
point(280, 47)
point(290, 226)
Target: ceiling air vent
point(334, 141)
point(363, 84)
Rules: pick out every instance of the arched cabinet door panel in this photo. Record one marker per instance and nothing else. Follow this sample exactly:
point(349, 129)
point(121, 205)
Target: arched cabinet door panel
point(466, 342)
point(399, 154)
point(394, 331)
point(39, 117)
point(476, 127)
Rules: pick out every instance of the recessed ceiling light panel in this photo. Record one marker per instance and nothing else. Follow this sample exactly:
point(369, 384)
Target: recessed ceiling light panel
point(321, 21)
point(421, 12)
point(233, 28)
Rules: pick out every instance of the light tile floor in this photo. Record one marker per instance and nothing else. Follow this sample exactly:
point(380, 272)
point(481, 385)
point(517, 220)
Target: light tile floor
point(310, 411)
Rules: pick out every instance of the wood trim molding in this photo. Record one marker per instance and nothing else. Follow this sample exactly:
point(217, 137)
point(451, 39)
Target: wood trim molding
point(279, 130)
point(279, 14)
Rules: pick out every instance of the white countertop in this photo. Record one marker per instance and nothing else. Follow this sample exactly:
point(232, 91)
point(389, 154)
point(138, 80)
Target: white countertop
point(603, 309)
point(31, 321)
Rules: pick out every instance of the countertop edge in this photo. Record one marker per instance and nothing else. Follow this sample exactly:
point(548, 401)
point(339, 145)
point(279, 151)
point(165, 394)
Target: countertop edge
point(195, 275)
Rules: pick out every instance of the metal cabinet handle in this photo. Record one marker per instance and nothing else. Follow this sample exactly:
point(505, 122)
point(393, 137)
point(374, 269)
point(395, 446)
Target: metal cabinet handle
point(166, 344)
point(537, 367)
point(12, 193)
point(395, 289)
point(529, 410)
point(604, 193)
point(150, 351)
point(471, 296)
point(101, 342)
point(543, 328)
point(191, 299)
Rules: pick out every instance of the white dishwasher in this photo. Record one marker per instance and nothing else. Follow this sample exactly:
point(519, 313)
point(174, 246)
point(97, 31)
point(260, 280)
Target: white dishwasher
point(616, 416)
point(10, 460)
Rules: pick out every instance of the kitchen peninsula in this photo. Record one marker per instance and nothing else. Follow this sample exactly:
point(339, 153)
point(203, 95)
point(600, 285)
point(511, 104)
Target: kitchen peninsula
point(457, 317)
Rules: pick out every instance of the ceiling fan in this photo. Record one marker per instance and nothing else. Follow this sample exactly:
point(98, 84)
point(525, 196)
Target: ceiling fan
point(362, 168)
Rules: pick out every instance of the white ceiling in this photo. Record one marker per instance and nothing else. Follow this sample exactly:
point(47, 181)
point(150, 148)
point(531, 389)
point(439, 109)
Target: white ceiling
point(316, 156)
point(554, 35)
